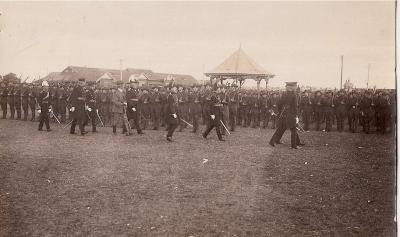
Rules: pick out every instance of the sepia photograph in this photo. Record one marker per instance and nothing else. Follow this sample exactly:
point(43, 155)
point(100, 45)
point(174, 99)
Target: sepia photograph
point(198, 118)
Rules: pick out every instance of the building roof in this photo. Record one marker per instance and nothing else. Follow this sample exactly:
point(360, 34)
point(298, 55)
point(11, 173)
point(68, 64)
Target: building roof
point(239, 63)
point(73, 73)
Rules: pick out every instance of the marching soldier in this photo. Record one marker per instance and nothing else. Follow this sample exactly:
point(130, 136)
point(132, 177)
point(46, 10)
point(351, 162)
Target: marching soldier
point(54, 100)
point(78, 110)
point(172, 113)
point(264, 113)
point(44, 106)
point(3, 95)
point(25, 100)
point(288, 117)
point(215, 116)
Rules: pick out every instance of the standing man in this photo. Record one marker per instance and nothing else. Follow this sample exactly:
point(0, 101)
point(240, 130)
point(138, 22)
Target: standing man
point(132, 99)
point(288, 117)
point(32, 101)
point(118, 108)
point(10, 100)
point(195, 108)
point(17, 100)
point(77, 101)
point(4, 94)
point(25, 100)
point(155, 103)
point(92, 106)
point(172, 113)
point(44, 106)
point(233, 107)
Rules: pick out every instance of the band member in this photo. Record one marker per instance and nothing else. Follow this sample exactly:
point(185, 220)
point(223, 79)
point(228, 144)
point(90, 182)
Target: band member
point(78, 110)
point(44, 107)
point(172, 113)
point(288, 117)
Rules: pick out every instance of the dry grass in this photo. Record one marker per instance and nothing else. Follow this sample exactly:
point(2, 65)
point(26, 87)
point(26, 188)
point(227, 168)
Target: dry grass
point(56, 184)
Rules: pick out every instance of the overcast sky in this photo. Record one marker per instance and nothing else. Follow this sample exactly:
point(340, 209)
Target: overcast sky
point(297, 41)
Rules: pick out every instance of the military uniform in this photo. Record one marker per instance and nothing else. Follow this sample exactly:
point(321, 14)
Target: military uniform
point(183, 109)
point(306, 105)
point(132, 98)
point(215, 115)
point(17, 101)
point(25, 101)
point(10, 100)
point(4, 94)
point(44, 104)
point(78, 110)
point(233, 109)
point(145, 109)
point(318, 110)
point(32, 102)
point(118, 110)
point(172, 114)
point(341, 111)
point(62, 104)
point(156, 107)
point(92, 108)
point(287, 119)
point(195, 109)
point(354, 112)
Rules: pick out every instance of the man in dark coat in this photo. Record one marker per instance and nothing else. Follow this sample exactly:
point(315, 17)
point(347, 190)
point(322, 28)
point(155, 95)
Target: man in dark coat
point(132, 99)
point(91, 105)
point(32, 100)
point(44, 106)
point(78, 110)
point(288, 117)
point(172, 113)
point(215, 116)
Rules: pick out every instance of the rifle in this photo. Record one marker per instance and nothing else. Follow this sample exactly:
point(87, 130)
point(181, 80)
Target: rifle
point(225, 127)
point(97, 112)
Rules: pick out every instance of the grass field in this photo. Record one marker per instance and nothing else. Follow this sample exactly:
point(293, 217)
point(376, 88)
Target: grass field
point(57, 184)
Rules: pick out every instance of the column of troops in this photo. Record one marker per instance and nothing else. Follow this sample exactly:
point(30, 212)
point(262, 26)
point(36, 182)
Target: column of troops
point(368, 110)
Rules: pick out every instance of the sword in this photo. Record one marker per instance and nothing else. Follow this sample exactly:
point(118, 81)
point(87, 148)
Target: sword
point(54, 116)
point(67, 124)
point(300, 128)
point(225, 127)
point(97, 112)
point(186, 122)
